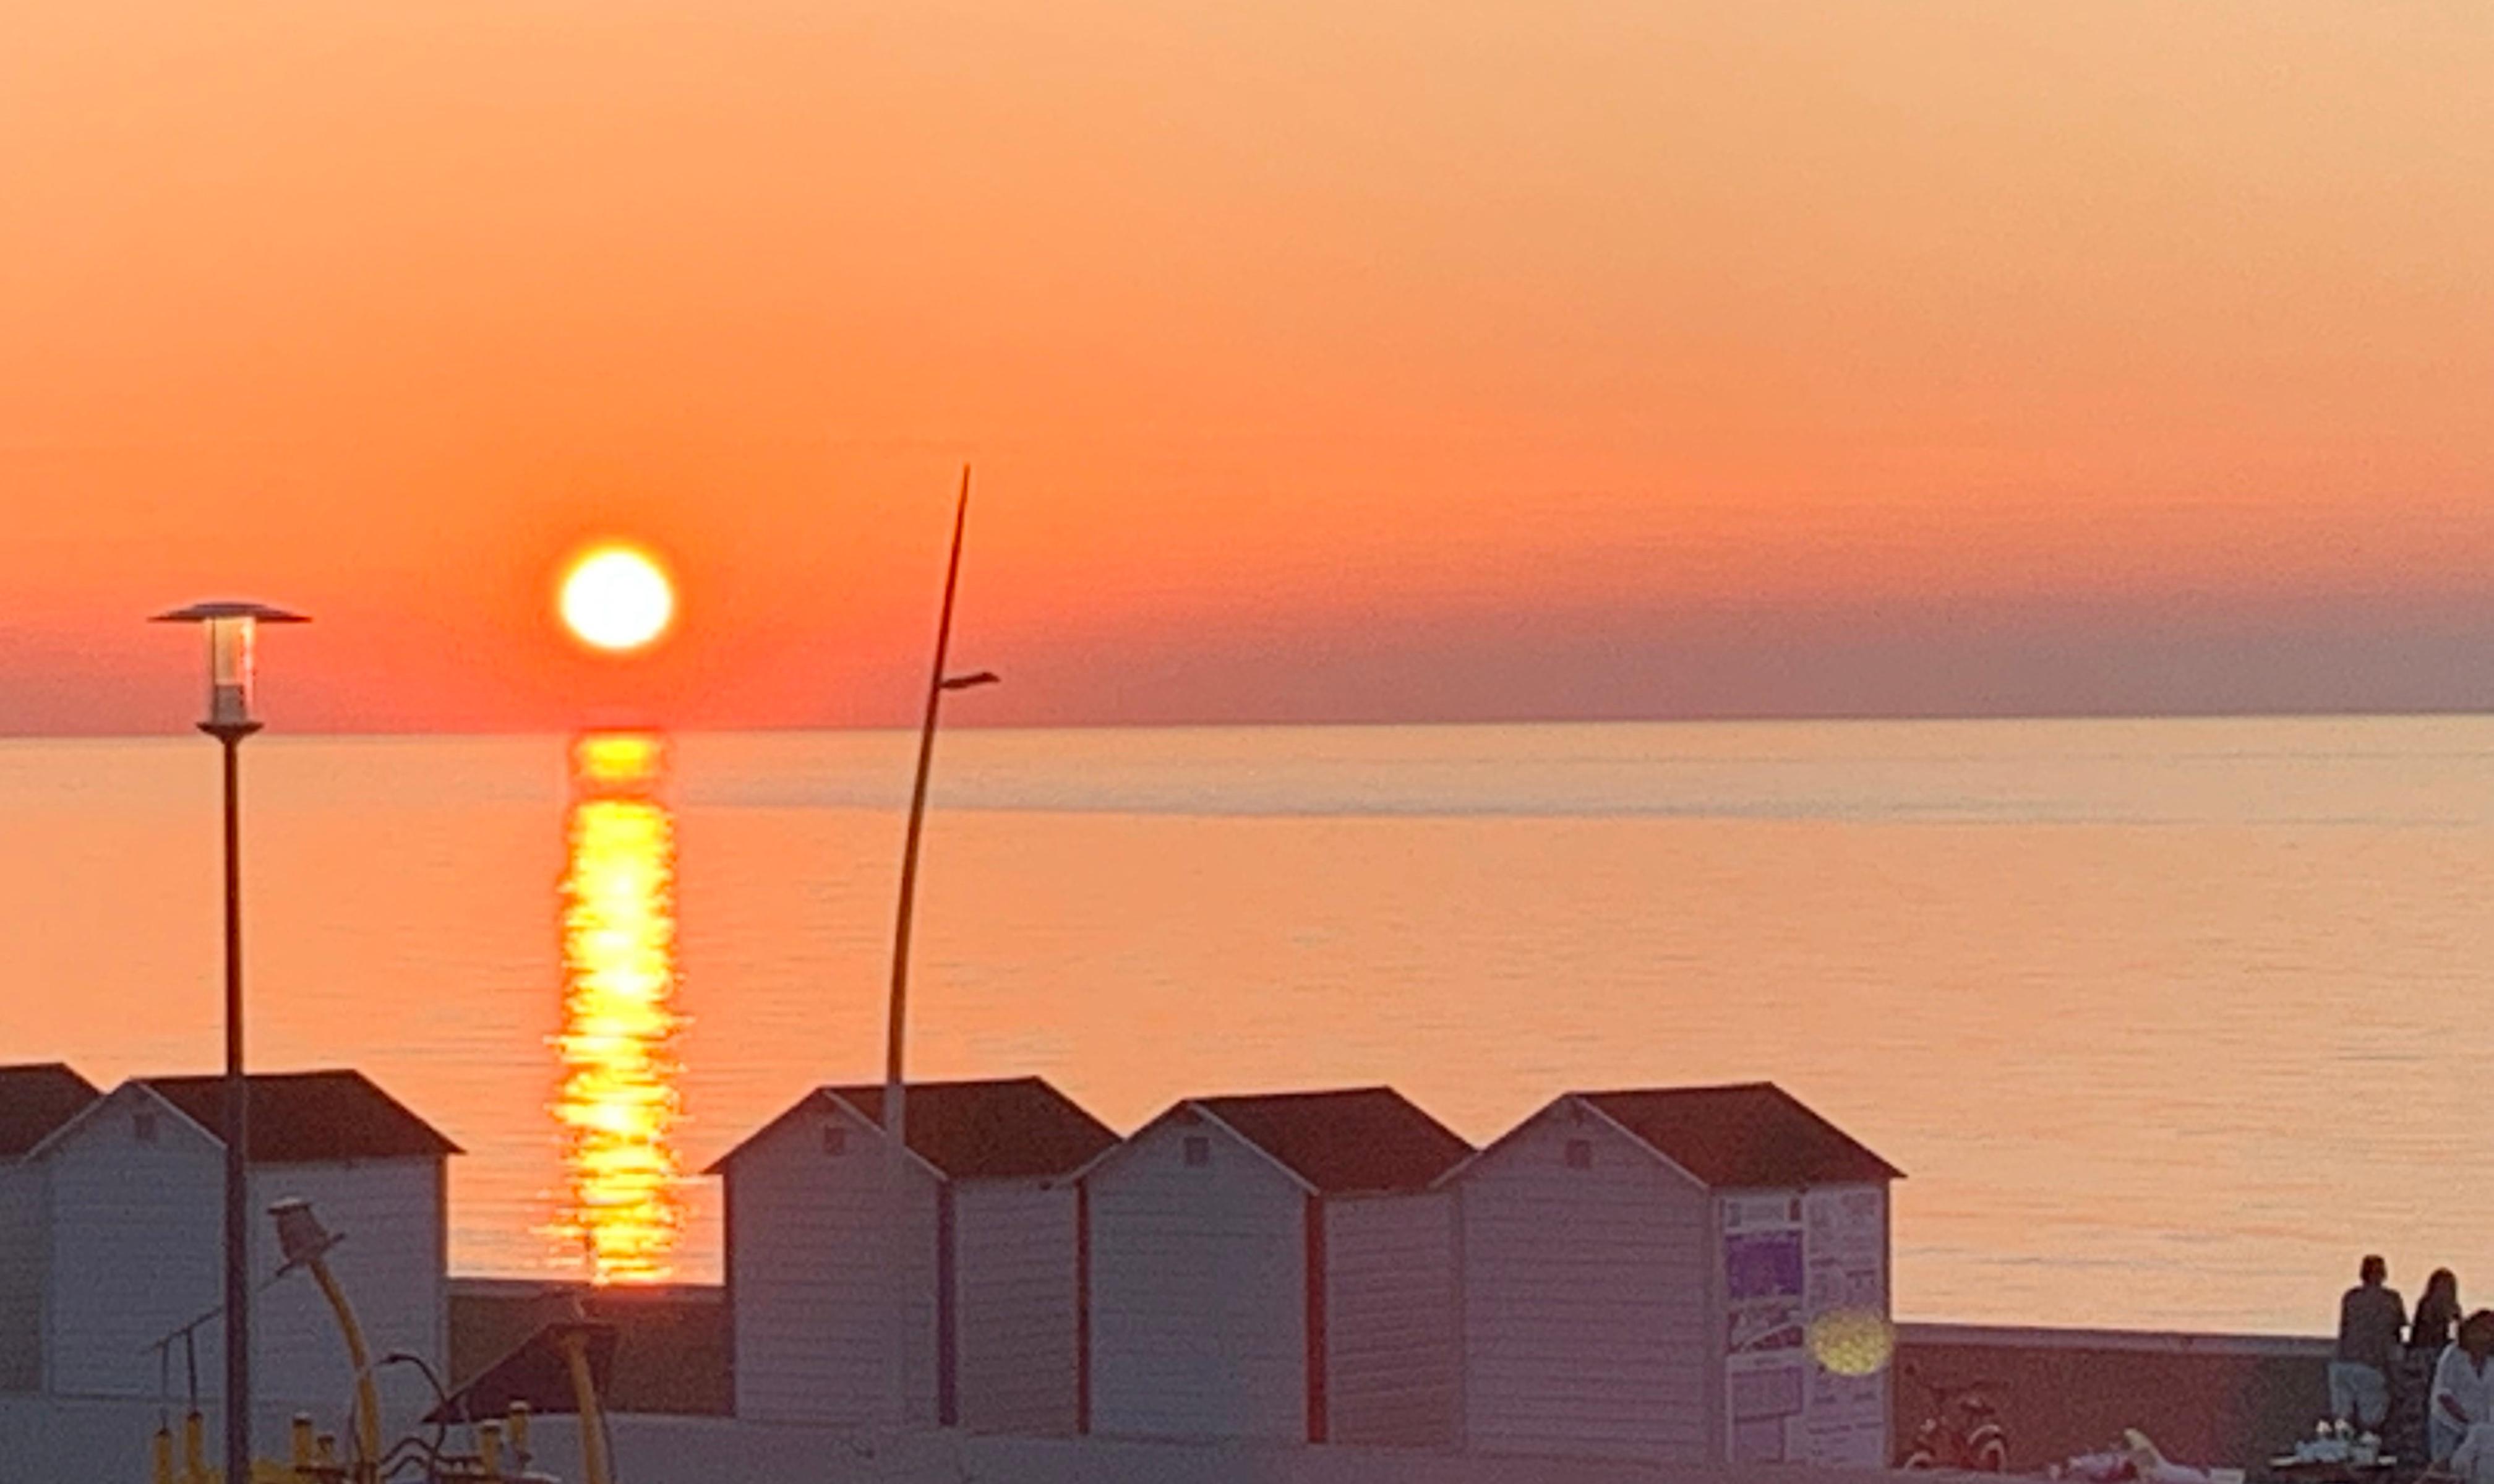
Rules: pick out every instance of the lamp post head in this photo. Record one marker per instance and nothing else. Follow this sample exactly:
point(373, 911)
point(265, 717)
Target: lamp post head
point(300, 1236)
point(231, 627)
point(969, 681)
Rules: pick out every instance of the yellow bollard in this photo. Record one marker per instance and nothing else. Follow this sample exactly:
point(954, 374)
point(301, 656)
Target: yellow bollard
point(161, 1454)
point(301, 1440)
point(519, 1433)
point(489, 1451)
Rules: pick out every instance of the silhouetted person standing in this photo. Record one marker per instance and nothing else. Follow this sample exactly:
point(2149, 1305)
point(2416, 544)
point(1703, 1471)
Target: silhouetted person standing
point(2370, 1318)
point(2436, 1311)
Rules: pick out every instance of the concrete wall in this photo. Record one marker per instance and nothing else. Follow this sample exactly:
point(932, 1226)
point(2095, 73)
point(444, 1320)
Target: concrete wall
point(671, 1342)
point(2203, 1399)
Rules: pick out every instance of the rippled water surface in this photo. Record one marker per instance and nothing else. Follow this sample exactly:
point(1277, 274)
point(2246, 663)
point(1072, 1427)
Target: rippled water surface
point(2167, 1021)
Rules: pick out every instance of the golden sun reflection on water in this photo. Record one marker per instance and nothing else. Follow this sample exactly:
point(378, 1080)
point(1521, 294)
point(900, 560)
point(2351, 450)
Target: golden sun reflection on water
point(623, 1211)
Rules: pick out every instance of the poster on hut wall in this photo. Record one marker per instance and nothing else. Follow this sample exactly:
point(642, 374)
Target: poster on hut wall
point(1789, 1257)
point(1845, 1240)
point(1766, 1368)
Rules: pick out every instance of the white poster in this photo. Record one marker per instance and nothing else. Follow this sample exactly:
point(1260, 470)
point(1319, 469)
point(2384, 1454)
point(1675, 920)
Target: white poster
point(1766, 1367)
point(1846, 1242)
point(1790, 1257)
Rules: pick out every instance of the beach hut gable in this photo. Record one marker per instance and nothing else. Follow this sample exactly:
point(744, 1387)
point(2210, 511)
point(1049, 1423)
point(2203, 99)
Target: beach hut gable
point(132, 1112)
point(134, 1197)
point(1572, 1120)
point(1275, 1266)
point(1638, 1271)
point(990, 1231)
point(296, 1118)
point(1015, 1129)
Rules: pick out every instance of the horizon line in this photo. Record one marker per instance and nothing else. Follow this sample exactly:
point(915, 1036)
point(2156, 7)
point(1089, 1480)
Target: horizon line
point(1726, 718)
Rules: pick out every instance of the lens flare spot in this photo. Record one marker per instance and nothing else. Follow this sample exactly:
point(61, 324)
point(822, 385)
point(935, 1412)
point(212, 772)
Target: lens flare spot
point(1852, 1342)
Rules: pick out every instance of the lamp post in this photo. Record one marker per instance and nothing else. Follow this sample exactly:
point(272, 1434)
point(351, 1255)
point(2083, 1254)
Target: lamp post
point(233, 630)
point(894, 1093)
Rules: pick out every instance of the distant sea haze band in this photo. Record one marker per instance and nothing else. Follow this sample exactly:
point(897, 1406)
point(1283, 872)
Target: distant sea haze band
point(2080, 979)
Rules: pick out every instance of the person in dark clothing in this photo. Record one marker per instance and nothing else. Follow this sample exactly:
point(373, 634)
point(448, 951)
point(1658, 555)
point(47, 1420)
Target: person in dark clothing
point(2436, 1312)
point(2370, 1320)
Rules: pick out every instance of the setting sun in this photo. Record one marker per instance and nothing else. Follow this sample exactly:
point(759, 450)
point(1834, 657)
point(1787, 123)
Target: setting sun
point(617, 599)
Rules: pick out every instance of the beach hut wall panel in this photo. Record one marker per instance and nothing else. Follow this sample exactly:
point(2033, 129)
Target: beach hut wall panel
point(136, 1244)
point(1390, 1320)
point(35, 1101)
point(989, 1249)
point(136, 1236)
point(26, 1253)
point(1275, 1267)
point(1017, 1277)
point(806, 1273)
point(1585, 1297)
point(1199, 1287)
point(392, 1260)
point(1639, 1270)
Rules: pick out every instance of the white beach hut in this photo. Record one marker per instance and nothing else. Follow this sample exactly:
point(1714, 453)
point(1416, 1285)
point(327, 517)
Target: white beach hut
point(34, 1102)
point(1642, 1272)
point(1275, 1267)
point(134, 1202)
point(991, 1242)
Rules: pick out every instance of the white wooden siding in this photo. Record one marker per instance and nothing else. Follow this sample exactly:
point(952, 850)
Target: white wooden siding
point(1586, 1297)
point(137, 1250)
point(1390, 1320)
point(391, 1265)
point(1015, 1320)
point(807, 1270)
point(24, 1253)
point(1198, 1318)
point(136, 1240)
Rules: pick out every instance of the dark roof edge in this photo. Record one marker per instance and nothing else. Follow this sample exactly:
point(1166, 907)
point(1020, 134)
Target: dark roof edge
point(1594, 1099)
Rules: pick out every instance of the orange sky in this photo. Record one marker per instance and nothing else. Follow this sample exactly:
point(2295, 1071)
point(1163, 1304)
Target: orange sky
point(1392, 359)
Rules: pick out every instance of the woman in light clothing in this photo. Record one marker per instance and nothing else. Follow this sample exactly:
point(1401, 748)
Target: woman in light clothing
point(2473, 1463)
point(2463, 1384)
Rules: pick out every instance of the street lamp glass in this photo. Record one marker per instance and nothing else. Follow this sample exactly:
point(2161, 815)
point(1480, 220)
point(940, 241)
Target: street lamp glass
point(231, 642)
point(234, 632)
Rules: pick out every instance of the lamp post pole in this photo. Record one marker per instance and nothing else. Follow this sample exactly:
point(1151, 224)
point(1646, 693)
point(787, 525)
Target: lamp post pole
point(231, 629)
point(237, 1129)
point(896, 1125)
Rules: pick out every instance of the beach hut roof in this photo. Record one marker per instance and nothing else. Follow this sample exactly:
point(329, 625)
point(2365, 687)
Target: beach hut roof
point(1749, 1136)
point(296, 1117)
point(1354, 1141)
point(1007, 1128)
point(36, 1099)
